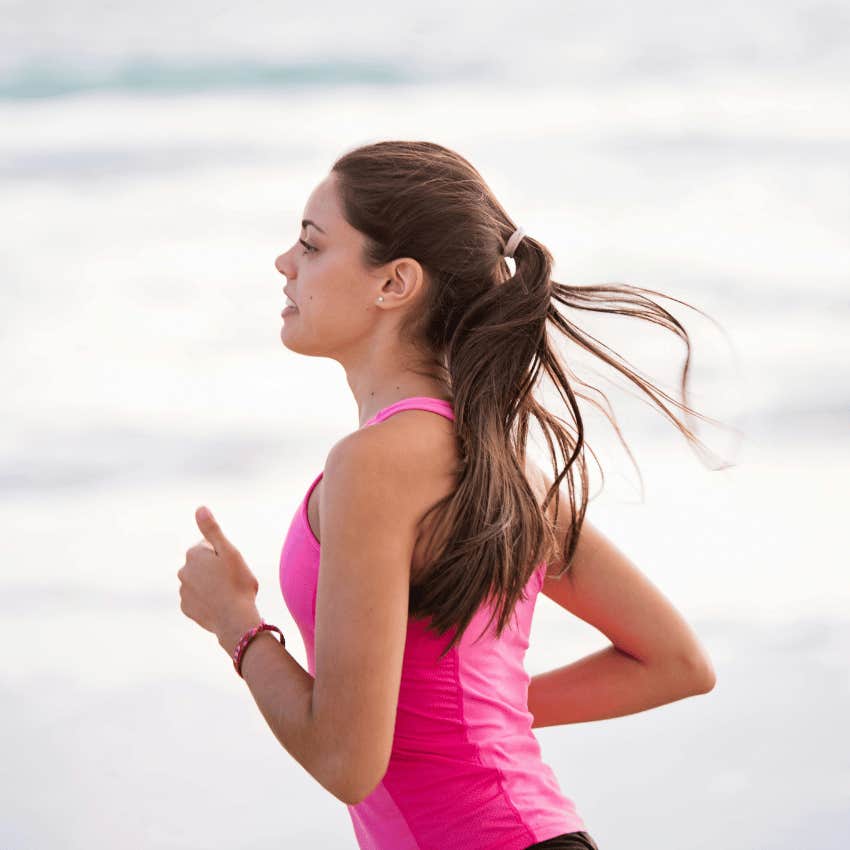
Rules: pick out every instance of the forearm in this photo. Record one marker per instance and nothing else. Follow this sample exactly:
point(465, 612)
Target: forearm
point(283, 691)
point(608, 683)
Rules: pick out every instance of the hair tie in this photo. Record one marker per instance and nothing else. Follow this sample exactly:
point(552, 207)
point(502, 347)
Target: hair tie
point(513, 242)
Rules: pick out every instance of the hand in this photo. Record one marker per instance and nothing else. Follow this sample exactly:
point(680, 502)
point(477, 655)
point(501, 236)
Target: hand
point(217, 588)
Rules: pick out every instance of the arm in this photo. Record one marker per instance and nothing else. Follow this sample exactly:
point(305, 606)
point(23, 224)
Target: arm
point(283, 691)
point(654, 658)
point(608, 683)
point(340, 725)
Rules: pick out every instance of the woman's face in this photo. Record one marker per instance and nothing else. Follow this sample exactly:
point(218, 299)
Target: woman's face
point(335, 295)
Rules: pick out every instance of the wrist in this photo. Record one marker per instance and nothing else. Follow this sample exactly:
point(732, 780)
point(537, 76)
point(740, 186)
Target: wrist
point(231, 632)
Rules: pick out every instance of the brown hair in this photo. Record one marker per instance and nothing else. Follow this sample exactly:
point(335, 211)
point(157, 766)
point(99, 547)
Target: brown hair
point(483, 332)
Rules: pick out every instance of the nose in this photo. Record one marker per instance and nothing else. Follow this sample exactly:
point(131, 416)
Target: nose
point(282, 264)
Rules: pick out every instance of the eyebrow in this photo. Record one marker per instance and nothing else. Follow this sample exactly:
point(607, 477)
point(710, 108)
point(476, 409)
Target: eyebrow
point(313, 223)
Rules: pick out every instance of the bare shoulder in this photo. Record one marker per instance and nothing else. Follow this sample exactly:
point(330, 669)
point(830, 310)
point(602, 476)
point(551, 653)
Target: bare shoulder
point(415, 455)
point(413, 452)
point(408, 440)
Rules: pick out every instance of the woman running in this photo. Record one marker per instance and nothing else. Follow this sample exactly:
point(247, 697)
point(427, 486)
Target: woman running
point(413, 562)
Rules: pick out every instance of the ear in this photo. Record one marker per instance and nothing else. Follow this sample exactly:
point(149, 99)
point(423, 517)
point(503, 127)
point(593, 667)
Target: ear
point(406, 282)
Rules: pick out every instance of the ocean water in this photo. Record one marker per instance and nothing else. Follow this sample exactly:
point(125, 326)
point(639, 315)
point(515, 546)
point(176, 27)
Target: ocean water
point(153, 163)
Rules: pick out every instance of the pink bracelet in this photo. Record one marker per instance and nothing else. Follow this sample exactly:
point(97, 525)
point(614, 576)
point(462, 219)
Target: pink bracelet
point(248, 637)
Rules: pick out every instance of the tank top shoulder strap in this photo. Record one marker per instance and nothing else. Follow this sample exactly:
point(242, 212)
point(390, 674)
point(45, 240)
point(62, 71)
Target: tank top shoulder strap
point(417, 402)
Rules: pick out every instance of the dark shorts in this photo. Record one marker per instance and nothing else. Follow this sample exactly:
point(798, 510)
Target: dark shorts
point(566, 841)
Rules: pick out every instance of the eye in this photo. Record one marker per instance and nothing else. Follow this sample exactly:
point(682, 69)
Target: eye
point(310, 248)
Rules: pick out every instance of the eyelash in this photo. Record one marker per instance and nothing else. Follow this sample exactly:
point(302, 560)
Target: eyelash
point(310, 248)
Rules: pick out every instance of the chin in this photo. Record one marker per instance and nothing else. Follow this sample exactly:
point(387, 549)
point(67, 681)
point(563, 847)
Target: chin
point(290, 340)
point(285, 338)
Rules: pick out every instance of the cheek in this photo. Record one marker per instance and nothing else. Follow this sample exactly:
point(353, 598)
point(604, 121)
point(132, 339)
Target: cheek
point(338, 311)
point(330, 307)
point(333, 297)
point(332, 301)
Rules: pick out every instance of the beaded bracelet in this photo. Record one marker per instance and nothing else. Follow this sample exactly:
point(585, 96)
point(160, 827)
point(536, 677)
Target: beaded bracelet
point(247, 638)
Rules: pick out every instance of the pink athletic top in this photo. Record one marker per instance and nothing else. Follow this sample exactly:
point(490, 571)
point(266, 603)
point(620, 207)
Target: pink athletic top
point(465, 771)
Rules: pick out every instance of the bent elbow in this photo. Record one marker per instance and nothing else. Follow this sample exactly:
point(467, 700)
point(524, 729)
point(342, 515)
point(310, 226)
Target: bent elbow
point(701, 673)
point(357, 785)
point(354, 794)
point(352, 799)
point(710, 681)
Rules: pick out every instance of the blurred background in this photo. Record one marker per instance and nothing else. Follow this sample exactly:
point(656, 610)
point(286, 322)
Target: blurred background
point(155, 159)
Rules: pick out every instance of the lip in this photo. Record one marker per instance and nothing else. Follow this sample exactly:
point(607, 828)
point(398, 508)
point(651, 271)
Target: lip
point(289, 295)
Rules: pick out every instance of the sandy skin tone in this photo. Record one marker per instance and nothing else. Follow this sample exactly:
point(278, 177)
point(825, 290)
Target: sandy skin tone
point(217, 588)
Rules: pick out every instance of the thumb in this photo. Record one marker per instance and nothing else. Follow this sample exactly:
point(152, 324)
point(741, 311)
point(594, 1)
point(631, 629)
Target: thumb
point(211, 530)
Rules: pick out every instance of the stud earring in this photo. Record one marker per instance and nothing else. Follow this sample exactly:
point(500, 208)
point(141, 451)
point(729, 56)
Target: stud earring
point(380, 298)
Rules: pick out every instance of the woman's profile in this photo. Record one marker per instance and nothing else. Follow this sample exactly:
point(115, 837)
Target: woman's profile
point(414, 560)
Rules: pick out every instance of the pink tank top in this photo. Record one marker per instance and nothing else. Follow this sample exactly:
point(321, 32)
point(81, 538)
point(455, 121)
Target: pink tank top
point(466, 771)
